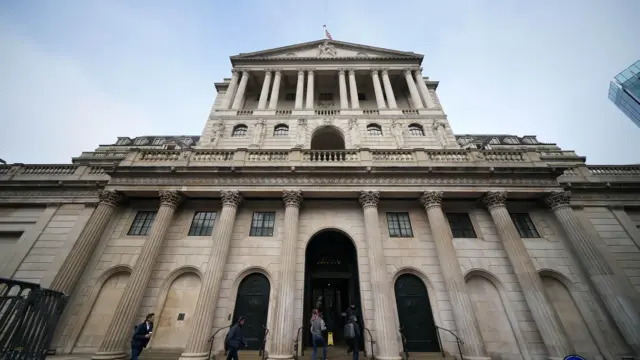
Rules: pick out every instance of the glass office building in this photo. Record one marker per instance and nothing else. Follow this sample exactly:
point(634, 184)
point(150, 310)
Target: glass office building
point(624, 91)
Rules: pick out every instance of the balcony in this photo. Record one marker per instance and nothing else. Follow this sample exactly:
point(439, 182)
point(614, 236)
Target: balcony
point(71, 172)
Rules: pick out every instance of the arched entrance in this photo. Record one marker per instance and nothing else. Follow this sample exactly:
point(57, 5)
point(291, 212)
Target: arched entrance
point(327, 138)
point(252, 303)
point(415, 315)
point(331, 281)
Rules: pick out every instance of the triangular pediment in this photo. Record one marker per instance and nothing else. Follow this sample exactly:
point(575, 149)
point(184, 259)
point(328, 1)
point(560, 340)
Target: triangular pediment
point(327, 49)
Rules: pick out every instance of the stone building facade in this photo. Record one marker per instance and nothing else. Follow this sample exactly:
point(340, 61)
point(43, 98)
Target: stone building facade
point(328, 174)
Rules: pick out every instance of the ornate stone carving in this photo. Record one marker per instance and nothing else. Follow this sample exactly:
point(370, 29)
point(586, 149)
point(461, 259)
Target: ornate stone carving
point(245, 73)
point(259, 132)
point(495, 198)
point(301, 72)
point(431, 198)
point(327, 49)
point(369, 198)
point(170, 198)
point(440, 126)
point(396, 130)
point(292, 198)
point(558, 199)
point(352, 72)
point(231, 198)
point(354, 133)
point(327, 121)
point(235, 71)
point(301, 132)
point(110, 198)
point(385, 71)
point(217, 131)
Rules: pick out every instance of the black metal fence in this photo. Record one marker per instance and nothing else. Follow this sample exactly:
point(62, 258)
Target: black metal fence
point(28, 317)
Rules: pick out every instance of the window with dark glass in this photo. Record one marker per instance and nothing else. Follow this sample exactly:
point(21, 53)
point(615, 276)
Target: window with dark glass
point(525, 226)
point(202, 223)
point(461, 225)
point(362, 96)
point(142, 223)
point(290, 97)
point(416, 130)
point(281, 130)
point(262, 224)
point(325, 97)
point(239, 131)
point(374, 130)
point(399, 225)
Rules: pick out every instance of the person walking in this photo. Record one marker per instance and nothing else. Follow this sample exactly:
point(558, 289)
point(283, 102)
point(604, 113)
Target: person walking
point(317, 327)
point(235, 339)
point(141, 335)
point(354, 342)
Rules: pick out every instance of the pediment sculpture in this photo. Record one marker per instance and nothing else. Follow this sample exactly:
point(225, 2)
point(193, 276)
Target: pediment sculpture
point(328, 49)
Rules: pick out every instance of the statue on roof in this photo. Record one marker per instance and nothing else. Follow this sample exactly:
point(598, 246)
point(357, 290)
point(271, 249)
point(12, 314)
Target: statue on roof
point(326, 48)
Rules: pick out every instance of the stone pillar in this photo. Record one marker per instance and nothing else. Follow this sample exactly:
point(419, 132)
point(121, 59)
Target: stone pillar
point(283, 330)
point(415, 97)
point(275, 92)
point(378, 89)
point(381, 289)
point(391, 99)
point(197, 344)
point(233, 85)
point(119, 330)
point(426, 95)
point(353, 89)
point(344, 101)
point(237, 102)
point(463, 311)
point(300, 90)
point(310, 90)
point(74, 264)
point(615, 298)
point(264, 93)
point(543, 313)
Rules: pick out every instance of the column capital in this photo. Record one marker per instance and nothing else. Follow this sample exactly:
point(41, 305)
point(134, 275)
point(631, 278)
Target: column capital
point(235, 71)
point(430, 199)
point(110, 197)
point(494, 199)
point(292, 198)
point(277, 71)
point(310, 72)
point(230, 198)
point(301, 71)
point(268, 71)
point(245, 72)
point(369, 198)
point(558, 199)
point(418, 71)
point(374, 72)
point(341, 71)
point(385, 71)
point(170, 198)
point(352, 72)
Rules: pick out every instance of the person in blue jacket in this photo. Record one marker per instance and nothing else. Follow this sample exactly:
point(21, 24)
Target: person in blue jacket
point(141, 335)
point(235, 339)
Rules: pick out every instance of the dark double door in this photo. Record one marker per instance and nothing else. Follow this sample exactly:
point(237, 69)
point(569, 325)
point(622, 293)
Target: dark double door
point(252, 303)
point(415, 315)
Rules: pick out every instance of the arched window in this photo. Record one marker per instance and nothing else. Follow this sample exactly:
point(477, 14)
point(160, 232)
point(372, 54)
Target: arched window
point(281, 130)
point(374, 130)
point(511, 140)
point(239, 131)
point(416, 130)
point(529, 140)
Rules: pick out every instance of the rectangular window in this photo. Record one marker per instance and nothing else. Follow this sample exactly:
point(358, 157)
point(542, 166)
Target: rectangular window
point(202, 224)
point(142, 223)
point(461, 225)
point(525, 226)
point(362, 97)
point(325, 97)
point(290, 97)
point(399, 225)
point(262, 224)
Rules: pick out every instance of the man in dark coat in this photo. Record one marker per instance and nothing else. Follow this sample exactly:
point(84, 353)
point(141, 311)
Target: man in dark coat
point(141, 335)
point(235, 339)
point(354, 344)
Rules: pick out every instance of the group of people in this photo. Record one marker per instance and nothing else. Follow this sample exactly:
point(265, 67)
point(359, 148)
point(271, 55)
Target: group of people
point(318, 327)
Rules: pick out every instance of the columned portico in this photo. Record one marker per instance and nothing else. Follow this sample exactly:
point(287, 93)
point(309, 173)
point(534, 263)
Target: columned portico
point(388, 90)
point(264, 94)
point(377, 89)
point(310, 84)
point(353, 90)
point(300, 90)
point(424, 91)
point(275, 92)
point(413, 90)
point(231, 90)
point(239, 99)
point(344, 101)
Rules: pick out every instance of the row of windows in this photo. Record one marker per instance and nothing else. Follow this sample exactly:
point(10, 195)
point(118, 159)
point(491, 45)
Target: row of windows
point(399, 224)
point(241, 130)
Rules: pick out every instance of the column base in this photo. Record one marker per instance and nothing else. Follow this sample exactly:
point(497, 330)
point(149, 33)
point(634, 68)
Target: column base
point(475, 357)
point(377, 357)
point(109, 355)
point(194, 356)
point(280, 357)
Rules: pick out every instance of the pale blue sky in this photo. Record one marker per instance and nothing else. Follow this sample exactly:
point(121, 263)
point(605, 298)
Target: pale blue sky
point(75, 74)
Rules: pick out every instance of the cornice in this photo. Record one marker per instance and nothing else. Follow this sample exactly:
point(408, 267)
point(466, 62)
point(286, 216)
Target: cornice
point(328, 59)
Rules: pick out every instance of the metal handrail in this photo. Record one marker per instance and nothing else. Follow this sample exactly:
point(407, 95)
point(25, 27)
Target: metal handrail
point(262, 351)
point(212, 338)
point(373, 356)
point(404, 343)
point(458, 340)
point(296, 343)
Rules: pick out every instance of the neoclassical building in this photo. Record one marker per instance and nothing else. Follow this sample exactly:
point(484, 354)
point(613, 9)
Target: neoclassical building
point(328, 174)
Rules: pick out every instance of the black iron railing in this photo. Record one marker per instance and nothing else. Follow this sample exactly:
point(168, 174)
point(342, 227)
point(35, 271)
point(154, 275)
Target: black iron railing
point(458, 340)
point(297, 344)
point(212, 338)
point(372, 342)
point(404, 344)
point(28, 317)
point(262, 352)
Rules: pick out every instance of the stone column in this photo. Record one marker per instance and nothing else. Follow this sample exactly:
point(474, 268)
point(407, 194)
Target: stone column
point(275, 92)
point(309, 90)
point(197, 344)
point(118, 332)
point(543, 313)
point(426, 95)
point(300, 90)
point(353, 89)
point(74, 264)
point(385, 328)
point(283, 320)
point(344, 101)
point(463, 311)
point(378, 89)
point(391, 99)
point(415, 97)
point(237, 102)
point(264, 93)
point(233, 85)
point(615, 298)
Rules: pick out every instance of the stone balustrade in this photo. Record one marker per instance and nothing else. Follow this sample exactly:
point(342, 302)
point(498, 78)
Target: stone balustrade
point(319, 111)
point(59, 172)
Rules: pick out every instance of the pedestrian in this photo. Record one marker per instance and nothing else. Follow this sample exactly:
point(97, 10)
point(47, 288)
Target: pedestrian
point(235, 339)
point(354, 342)
point(317, 327)
point(141, 335)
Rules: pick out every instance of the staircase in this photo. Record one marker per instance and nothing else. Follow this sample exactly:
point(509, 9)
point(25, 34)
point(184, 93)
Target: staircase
point(160, 354)
point(429, 356)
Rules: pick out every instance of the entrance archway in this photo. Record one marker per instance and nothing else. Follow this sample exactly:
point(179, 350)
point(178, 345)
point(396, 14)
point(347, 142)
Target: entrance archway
point(327, 138)
point(252, 303)
point(415, 315)
point(331, 282)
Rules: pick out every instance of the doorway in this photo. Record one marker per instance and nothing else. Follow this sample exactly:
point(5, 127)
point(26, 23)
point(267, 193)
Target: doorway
point(415, 314)
point(331, 283)
point(252, 303)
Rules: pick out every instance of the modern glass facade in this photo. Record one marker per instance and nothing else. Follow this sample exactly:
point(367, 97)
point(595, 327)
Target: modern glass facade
point(624, 91)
